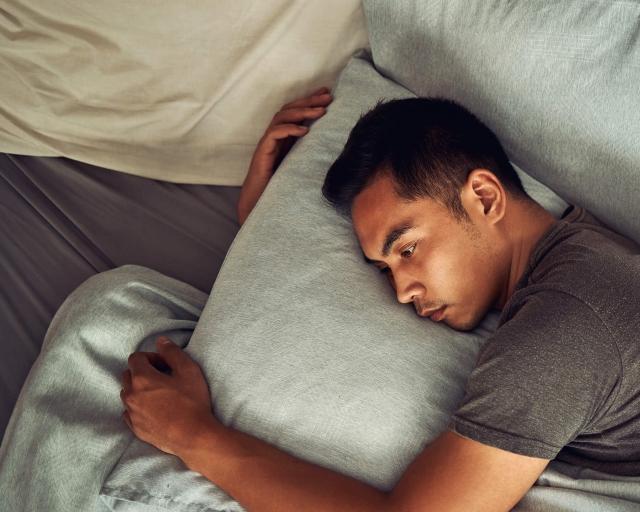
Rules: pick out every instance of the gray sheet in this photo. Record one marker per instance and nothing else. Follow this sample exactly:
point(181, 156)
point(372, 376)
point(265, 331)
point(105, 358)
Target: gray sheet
point(63, 221)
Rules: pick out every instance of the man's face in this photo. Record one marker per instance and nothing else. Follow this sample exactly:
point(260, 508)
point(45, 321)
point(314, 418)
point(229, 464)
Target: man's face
point(433, 260)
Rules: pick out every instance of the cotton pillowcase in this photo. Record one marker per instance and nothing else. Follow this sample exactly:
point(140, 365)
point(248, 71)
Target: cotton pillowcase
point(305, 346)
point(559, 82)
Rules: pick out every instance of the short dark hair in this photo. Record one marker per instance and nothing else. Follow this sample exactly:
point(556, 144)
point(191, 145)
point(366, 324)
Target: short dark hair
point(428, 145)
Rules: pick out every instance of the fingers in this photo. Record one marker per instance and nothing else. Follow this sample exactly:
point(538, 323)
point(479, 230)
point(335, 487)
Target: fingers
point(126, 381)
point(145, 367)
point(127, 419)
point(127, 386)
point(158, 362)
point(270, 143)
point(310, 108)
point(139, 364)
point(175, 357)
point(297, 115)
point(282, 131)
point(285, 126)
point(320, 98)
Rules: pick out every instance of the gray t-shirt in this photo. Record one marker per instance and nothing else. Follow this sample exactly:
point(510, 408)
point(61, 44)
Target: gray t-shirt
point(560, 377)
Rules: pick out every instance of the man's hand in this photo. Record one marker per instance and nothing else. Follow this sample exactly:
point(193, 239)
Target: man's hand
point(166, 397)
point(280, 135)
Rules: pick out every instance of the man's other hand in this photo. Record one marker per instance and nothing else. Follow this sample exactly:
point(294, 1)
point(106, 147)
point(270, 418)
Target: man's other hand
point(166, 397)
point(285, 128)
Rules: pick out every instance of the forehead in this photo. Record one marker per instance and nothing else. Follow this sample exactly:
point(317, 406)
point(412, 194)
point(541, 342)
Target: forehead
point(378, 209)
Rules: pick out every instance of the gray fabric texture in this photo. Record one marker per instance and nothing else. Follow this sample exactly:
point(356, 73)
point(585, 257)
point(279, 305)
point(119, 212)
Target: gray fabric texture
point(64, 221)
point(559, 379)
point(316, 356)
point(66, 431)
point(557, 81)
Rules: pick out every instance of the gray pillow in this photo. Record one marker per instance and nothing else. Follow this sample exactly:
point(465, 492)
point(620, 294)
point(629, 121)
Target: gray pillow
point(559, 83)
point(305, 346)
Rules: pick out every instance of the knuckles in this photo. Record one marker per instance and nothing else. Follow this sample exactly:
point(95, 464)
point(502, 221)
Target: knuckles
point(133, 358)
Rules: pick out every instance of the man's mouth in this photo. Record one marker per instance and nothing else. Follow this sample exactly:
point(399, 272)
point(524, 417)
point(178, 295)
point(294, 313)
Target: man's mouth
point(433, 314)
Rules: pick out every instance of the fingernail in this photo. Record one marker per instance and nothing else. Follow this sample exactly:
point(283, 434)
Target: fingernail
point(164, 340)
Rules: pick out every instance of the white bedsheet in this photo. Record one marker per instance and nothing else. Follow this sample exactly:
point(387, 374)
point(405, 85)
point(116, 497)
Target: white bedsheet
point(179, 91)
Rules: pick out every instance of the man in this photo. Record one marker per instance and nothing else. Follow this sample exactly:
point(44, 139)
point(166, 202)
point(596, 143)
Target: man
point(437, 206)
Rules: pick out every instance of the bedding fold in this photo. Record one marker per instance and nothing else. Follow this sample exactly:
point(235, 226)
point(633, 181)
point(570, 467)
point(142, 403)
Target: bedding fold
point(66, 432)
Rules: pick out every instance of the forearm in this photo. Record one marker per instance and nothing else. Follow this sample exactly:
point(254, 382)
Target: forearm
point(251, 191)
point(263, 478)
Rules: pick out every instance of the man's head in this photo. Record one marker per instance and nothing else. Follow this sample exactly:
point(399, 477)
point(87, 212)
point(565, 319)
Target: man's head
point(428, 187)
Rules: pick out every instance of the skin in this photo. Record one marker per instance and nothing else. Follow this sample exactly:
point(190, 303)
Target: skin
point(469, 267)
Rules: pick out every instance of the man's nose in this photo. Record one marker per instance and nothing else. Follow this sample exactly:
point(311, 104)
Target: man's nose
point(407, 289)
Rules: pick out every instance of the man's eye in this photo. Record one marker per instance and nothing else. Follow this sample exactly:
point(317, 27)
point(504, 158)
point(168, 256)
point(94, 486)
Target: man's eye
point(408, 251)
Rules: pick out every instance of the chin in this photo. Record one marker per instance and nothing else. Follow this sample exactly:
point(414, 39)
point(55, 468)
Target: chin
point(467, 324)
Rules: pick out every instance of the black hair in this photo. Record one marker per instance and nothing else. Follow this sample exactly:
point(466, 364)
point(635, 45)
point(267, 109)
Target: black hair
point(428, 145)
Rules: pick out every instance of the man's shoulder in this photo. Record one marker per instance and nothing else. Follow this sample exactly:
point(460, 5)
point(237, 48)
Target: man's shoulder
point(587, 269)
point(553, 360)
point(586, 249)
point(547, 322)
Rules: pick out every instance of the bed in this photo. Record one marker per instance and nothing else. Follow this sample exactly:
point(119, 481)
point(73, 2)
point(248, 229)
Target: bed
point(127, 129)
point(64, 221)
point(326, 376)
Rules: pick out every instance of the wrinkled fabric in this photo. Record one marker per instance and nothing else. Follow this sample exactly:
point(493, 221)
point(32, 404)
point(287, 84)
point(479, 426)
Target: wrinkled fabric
point(66, 431)
point(177, 91)
point(64, 221)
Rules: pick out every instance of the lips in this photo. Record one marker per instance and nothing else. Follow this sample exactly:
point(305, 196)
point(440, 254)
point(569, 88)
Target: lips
point(437, 315)
point(434, 314)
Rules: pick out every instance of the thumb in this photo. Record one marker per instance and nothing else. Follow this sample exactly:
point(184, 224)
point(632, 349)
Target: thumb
point(172, 353)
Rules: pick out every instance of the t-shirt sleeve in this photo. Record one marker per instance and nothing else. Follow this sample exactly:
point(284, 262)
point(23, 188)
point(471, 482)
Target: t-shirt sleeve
point(543, 378)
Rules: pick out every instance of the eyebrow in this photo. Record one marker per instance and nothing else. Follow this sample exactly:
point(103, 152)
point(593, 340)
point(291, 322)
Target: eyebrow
point(393, 235)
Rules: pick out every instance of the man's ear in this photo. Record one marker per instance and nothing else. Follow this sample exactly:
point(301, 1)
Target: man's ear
point(484, 194)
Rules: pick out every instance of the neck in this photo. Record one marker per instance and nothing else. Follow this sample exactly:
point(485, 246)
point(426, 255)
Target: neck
point(525, 226)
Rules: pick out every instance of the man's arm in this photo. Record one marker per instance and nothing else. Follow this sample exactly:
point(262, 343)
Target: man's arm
point(452, 473)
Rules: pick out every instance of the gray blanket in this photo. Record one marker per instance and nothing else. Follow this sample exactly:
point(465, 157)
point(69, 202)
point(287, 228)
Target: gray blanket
point(66, 433)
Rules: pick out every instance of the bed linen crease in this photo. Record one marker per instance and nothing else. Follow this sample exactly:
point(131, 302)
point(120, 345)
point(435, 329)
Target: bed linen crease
point(66, 432)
